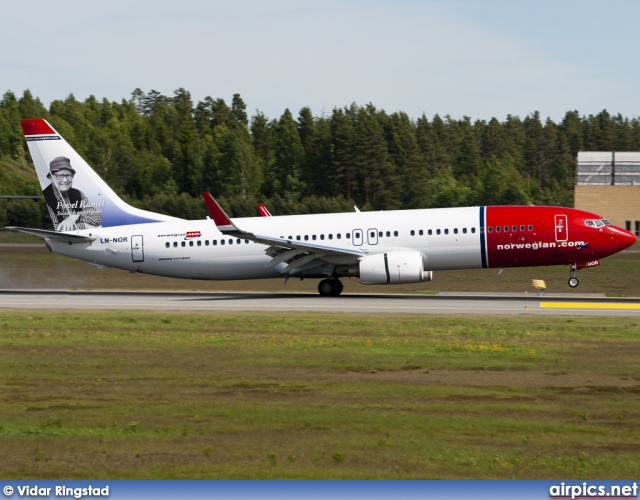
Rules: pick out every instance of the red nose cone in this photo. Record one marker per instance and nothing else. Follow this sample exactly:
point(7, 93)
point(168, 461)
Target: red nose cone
point(630, 239)
point(622, 238)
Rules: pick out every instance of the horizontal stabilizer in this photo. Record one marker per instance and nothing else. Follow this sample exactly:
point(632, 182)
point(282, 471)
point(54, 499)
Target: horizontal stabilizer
point(55, 235)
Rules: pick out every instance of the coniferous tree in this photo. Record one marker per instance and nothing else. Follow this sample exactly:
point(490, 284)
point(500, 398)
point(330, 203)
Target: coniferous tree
point(160, 151)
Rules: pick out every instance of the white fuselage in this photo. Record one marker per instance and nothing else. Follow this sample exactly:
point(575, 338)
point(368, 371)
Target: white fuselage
point(448, 238)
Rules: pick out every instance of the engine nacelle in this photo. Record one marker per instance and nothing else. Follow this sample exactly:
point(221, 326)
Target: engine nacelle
point(393, 268)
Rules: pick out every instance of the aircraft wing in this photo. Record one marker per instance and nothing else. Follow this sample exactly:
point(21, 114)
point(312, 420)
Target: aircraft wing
point(56, 235)
point(298, 255)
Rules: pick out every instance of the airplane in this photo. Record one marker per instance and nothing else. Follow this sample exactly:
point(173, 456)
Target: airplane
point(92, 223)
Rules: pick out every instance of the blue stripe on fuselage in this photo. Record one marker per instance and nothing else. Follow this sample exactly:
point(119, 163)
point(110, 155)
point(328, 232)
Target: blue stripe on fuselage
point(483, 248)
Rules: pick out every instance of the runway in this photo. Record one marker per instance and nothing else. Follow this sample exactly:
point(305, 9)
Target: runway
point(443, 303)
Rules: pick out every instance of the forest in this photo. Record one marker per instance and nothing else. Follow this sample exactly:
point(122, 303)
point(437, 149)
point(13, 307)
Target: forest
point(160, 152)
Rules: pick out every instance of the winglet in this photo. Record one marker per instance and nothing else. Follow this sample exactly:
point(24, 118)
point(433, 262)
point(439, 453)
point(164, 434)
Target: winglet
point(222, 220)
point(263, 210)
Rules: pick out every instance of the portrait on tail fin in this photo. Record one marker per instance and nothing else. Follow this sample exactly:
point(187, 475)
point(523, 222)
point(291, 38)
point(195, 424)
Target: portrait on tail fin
point(69, 208)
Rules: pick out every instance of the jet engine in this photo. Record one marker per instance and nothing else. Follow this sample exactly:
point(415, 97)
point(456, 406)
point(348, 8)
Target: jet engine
point(393, 268)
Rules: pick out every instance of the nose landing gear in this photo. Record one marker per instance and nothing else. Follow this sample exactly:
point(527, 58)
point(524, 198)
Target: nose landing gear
point(573, 281)
point(330, 288)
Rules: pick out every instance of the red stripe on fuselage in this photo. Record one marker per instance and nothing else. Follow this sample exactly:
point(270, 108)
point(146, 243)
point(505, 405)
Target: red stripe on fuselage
point(546, 236)
point(36, 127)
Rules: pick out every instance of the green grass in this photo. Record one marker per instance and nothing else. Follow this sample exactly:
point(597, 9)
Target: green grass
point(135, 395)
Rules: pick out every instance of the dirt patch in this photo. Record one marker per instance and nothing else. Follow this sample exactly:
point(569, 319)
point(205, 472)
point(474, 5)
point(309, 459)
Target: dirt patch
point(476, 378)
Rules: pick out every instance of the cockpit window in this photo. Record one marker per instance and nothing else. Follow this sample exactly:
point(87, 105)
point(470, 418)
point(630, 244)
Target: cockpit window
point(597, 223)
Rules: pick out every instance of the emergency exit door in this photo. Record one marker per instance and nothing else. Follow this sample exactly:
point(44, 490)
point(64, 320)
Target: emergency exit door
point(562, 229)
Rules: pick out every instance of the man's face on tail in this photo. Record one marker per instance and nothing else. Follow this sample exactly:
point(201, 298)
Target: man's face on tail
point(64, 180)
point(61, 173)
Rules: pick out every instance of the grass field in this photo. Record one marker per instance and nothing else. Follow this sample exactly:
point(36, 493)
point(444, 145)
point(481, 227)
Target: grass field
point(128, 395)
point(132, 395)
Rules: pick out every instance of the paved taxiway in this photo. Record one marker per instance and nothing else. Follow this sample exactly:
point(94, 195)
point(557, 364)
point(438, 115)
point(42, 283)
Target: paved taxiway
point(508, 304)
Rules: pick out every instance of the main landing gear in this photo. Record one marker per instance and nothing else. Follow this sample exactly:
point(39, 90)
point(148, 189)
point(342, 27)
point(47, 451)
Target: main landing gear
point(573, 281)
point(330, 288)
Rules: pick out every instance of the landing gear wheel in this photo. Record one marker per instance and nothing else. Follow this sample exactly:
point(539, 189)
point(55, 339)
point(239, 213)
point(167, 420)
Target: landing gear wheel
point(573, 281)
point(330, 288)
point(325, 288)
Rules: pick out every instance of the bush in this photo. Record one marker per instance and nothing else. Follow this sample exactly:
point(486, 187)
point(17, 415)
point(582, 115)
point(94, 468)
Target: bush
point(23, 213)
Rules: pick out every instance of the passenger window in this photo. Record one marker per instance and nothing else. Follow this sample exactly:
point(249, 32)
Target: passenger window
point(514, 228)
point(388, 233)
point(306, 237)
point(455, 230)
point(530, 227)
point(199, 243)
point(446, 231)
point(438, 231)
point(412, 233)
point(348, 235)
point(298, 237)
point(322, 236)
point(430, 232)
point(497, 229)
point(246, 241)
point(338, 236)
point(183, 244)
point(521, 228)
point(313, 237)
point(222, 242)
point(421, 232)
point(167, 244)
point(238, 241)
point(481, 229)
point(490, 229)
point(191, 243)
point(395, 233)
point(464, 230)
point(175, 244)
point(473, 230)
point(331, 236)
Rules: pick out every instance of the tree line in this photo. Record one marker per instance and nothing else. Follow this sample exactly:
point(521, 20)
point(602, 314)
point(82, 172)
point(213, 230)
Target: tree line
point(159, 152)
